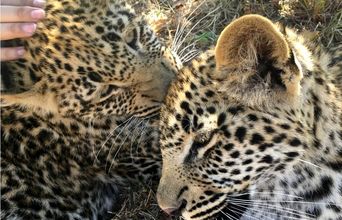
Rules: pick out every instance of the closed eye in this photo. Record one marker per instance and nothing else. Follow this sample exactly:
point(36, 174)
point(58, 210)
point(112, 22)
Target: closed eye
point(201, 143)
point(108, 91)
point(133, 43)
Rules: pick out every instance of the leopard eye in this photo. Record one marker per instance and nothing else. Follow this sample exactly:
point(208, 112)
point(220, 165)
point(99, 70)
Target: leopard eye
point(132, 39)
point(200, 145)
point(108, 91)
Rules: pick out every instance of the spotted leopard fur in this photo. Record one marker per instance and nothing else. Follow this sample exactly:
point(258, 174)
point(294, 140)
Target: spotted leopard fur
point(79, 118)
point(253, 130)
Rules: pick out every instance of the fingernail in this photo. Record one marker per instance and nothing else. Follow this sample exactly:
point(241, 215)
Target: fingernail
point(38, 14)
point(29, 28)
point(39, 3)
point(20, 51)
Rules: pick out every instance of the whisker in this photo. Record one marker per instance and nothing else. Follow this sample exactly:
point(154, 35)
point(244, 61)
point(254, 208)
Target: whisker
point(118, 150)
point(180, 34)
point(132, 138)
point(255, 211)
point(141, 135)
point(274, 207)
point(197, 23)
point(109, 136)
point(193, 11)
point(188, 19)
point(228, 215)
point(185, 24)
point(312, 164)
point(189, 53)
point(240, 211)
point(90, 122)
point(266, 193)
point(180, 54)
point(116, 137)
point(177, 35)
point(289, 201)
point(135, 137)
point(190, 57)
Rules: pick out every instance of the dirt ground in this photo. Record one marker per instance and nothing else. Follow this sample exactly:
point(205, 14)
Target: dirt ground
point(190, 26)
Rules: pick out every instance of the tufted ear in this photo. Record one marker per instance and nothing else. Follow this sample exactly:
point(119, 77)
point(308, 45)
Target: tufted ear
point(246, 39)
point(252, 53)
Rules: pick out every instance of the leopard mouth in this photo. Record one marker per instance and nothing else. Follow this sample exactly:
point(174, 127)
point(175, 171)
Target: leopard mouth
point(234, 207)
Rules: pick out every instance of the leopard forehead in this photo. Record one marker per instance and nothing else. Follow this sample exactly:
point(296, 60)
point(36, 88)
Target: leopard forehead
point(83, 54)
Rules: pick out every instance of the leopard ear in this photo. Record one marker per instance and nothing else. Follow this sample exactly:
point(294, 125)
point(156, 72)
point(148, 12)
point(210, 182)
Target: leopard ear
point(246, 39)
point(255, 64)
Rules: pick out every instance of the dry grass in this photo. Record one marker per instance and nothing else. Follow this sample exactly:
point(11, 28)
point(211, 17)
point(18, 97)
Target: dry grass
point(139, 204)
point(199, 23)
point(323, 17)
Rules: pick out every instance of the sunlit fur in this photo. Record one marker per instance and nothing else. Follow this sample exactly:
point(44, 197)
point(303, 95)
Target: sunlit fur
point(262, 140)
point(79, 112)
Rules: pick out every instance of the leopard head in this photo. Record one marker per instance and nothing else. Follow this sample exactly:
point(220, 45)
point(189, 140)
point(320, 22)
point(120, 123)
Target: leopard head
point(90, 59)
point(236, 117)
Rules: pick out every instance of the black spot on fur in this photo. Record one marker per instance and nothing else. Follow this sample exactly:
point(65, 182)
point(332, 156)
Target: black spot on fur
point(279, 138)
point(292, 154)
point(240, 133)
point(269, 129)
point(221, 119)
point(99, 29)
point(252, 117)
point(295, 142)
point(264, 146)
point(112, 36)
point(267, 159)
point(193, 86)
point(257, 139)
point(185, 105)
point(314, 212)
point(95, 77)
point(68, 67)
point(209, 93)
point(321, 191)
point(235, 110)
point(186, 124)
point(188, 95)
point(235, 154)
point(228, 147)
point(44, 136)
point(317, 112)
point(211, 110)
point(335, 165)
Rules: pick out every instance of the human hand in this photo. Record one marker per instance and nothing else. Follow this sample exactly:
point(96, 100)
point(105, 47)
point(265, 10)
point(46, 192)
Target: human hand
point(18, 19)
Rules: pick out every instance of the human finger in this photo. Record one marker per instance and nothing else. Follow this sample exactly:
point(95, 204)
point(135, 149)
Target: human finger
point(33, 3)
point(21, 14)
point(11, 53)
point(16, 30)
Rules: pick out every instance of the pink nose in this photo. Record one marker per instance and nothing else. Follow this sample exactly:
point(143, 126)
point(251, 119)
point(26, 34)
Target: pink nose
point(175, 211)
point(170, 211)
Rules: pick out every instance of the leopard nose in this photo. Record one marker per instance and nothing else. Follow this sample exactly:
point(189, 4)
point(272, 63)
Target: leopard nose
point(169, 211)
point(175, 211)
